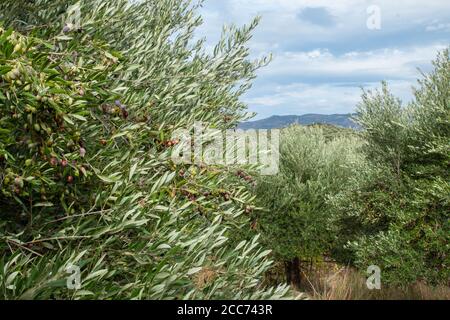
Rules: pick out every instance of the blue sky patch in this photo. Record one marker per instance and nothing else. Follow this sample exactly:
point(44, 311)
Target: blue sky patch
point(318, 16)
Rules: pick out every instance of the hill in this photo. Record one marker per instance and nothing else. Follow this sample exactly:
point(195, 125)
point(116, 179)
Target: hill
point(273, 122)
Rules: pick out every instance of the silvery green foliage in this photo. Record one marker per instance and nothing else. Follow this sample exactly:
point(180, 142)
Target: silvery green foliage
point(314, 166)
point(430, 111)
point(145, 228)
point(395, 213)
point(383, 118)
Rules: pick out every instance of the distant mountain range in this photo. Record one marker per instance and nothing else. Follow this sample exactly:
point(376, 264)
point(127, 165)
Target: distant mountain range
point(274, 122)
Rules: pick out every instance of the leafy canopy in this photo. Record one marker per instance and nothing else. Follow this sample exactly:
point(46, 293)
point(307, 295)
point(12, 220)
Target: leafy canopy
point(86, 177)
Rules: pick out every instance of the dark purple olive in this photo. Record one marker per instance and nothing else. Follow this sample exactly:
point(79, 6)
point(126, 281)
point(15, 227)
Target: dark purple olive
point(66, 28)
point(53, 161)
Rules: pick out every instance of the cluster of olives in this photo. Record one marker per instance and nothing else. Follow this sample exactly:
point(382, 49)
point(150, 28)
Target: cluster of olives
point(116, 109)
point(63, 163)
point(33, 123)
point(241, 174)
point(18, 41)
point(17, 77)
point(12, 75)
point(225, 194)
point(13, 180)
point(171, 143)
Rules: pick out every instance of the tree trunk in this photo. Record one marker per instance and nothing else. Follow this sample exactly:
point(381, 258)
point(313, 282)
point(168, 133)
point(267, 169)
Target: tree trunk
point(292, 269)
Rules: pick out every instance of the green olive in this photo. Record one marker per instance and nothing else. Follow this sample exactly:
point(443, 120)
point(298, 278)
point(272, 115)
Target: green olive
point(18, 182)
point(16, 73)
point(18, 48)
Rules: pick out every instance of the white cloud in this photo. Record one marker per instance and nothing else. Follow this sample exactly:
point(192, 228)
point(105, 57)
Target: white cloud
point(301, 98)
point(328, 96)
point(438, 26)
point(382, 63)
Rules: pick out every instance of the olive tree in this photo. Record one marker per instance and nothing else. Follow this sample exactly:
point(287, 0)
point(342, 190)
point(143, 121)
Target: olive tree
point(295, 214)
point(395, 213)
point(87, 110)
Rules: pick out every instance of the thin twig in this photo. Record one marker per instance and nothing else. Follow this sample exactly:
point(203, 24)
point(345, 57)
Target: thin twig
point(23, 247)
point(57, 238)
point(78, 215)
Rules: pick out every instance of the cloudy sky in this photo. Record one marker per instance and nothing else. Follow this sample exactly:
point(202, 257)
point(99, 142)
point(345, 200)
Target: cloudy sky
point(324, 51)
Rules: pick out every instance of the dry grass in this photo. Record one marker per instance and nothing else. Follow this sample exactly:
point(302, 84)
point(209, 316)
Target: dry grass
point(204, 277)
point(332, 282)
point(342, 284)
